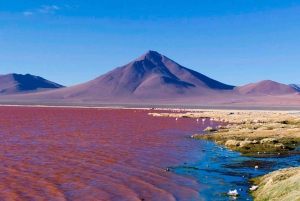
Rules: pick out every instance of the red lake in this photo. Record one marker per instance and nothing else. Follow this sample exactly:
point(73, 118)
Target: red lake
point(95, 154)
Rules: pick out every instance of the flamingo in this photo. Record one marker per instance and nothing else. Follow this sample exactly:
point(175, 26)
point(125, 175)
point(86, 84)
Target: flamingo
point(233, 193)
point(253, 188)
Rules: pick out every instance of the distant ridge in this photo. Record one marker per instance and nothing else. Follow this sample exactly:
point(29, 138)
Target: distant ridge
point(18, 83)
point(151, 79)
point(266, 87)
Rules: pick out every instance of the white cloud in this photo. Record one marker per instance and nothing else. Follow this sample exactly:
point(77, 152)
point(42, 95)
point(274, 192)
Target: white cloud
point(48, 9)
point(27, 13)
point(55, 7)
point(45, 9)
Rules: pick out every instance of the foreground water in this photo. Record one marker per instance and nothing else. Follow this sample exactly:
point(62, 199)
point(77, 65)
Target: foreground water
point(109, 154)
point(221, 170)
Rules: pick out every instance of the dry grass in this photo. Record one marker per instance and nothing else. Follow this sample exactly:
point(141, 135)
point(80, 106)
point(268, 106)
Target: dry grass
point(279, 185)
point(250, 129)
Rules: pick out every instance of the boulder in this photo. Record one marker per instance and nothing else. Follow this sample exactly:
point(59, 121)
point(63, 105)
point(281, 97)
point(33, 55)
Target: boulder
point(245, 143)
point(232, 143)
point(268, 141)
point(210, 129)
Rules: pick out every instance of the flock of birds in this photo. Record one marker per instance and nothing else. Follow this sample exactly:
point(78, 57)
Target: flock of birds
point(203, 120)
point(235, 193)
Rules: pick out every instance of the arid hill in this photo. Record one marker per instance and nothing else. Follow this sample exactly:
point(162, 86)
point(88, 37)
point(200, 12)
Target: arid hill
point(266, 87)
point(17, 83)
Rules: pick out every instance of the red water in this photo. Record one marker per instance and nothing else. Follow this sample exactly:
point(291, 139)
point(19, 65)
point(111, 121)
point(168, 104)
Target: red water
point(94, 154)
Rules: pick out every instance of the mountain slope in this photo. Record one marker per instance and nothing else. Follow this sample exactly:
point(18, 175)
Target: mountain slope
point(155, 75)
point(17, 83)
point(266, 87)
point(151, 76)
point(295, 86)
point(154, 79)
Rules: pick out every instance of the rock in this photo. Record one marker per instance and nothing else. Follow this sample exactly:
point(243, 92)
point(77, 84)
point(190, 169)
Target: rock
point(268, 141)
point(222, 127)
point(245, 143)
point(195, 136)
point(210, 129)
point(232, 143)
point(280, 145)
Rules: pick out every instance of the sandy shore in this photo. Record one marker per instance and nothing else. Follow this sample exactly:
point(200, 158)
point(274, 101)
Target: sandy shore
point(256, 133)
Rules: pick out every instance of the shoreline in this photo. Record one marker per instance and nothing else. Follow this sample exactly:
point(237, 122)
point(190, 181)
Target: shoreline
point(182, 107)
point(249, 132)
point(256, 134)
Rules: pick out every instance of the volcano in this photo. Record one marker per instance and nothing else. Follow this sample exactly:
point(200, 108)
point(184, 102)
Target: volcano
point(151, 76)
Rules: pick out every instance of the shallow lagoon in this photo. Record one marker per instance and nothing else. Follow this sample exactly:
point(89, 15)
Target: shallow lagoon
point(110, 154)
point(221, 170)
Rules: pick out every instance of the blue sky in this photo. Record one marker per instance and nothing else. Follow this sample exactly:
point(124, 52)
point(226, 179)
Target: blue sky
point(234, 41)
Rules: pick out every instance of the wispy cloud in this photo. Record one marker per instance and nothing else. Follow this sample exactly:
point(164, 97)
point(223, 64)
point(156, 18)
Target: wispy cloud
point(27, 13)
point(46, 9)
